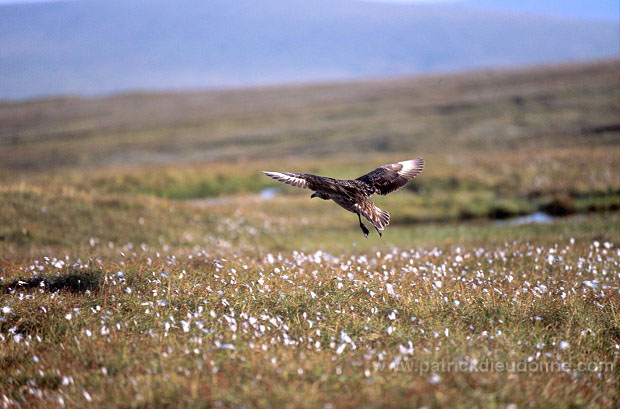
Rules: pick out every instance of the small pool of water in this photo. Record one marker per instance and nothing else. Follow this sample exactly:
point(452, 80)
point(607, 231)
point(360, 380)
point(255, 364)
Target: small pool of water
point(268, 193)
point(537, 218)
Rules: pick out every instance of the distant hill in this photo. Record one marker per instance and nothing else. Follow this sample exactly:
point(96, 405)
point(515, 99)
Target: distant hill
point(571, 106)
point(102, 46)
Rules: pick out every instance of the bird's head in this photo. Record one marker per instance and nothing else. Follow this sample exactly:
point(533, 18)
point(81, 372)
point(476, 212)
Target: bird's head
point(318, 194)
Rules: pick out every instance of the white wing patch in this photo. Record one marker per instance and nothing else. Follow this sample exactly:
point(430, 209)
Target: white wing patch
point(289, 178)
point(411, 168)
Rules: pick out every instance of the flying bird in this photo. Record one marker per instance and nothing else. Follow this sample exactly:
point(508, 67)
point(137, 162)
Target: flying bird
point(354, 195)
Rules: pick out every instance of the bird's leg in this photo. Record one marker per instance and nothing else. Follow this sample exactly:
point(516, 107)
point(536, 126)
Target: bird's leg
point(364, 229)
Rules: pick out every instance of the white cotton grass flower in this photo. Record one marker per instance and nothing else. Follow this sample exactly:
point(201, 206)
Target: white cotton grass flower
point(395, 362)
point(593, 284)
point(7, 310)
point(587, 331)
point(403, 350)
point(564, 345)
point(87, 396)
point(345, 338)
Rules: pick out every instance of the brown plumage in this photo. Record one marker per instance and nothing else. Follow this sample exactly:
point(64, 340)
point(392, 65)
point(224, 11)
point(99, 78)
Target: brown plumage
point(354, 195)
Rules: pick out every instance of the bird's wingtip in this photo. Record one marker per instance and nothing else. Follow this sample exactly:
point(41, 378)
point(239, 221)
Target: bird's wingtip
point(273, 175)
point(412, 167)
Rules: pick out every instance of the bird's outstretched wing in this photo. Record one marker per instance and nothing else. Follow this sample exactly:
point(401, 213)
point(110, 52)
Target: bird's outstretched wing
point(290, 178)
point(313, 182)
point(388, 178)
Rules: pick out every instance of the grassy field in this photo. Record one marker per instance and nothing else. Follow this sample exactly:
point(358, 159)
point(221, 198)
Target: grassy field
point(141, 267)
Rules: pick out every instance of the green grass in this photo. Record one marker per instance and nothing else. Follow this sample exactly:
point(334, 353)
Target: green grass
point(198, 330)
point(97, 290)
point(140, 268)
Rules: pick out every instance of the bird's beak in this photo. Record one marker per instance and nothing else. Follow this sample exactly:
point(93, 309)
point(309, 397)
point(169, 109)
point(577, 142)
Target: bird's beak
point(312, 196)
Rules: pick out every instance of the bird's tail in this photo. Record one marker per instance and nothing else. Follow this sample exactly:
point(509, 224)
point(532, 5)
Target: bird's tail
point(382, 219)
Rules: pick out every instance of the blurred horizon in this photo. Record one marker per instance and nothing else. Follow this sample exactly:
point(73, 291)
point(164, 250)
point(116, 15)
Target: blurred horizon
point(90, 48)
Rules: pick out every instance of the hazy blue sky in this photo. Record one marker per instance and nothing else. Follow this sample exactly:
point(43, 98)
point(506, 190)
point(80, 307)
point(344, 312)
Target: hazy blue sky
point(592, 9)
point(108, 46)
